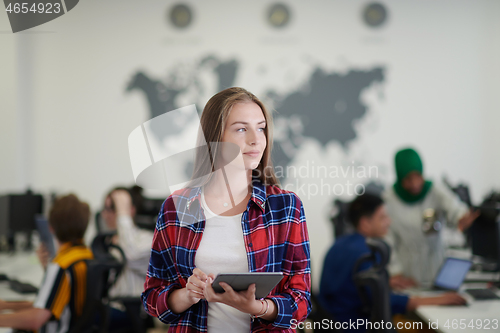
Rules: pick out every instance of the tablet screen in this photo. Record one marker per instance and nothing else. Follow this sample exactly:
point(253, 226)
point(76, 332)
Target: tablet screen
point(264, 282)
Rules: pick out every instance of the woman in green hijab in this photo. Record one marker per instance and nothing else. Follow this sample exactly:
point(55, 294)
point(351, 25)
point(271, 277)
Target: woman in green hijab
point(418, 208)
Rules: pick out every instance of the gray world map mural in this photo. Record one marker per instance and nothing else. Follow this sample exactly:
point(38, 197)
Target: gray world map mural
point(324, 109)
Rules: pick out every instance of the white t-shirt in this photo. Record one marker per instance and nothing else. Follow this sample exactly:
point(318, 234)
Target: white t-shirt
point(222, 250)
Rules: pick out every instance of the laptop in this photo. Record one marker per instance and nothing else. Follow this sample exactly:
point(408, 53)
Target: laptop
point(452, 274)
point(450, 277)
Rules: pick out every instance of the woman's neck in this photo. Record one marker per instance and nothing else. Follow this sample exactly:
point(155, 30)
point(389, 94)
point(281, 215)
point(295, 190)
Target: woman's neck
point(230, 183)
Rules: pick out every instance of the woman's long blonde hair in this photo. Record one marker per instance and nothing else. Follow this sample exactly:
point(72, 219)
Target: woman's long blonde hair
point(213, 121)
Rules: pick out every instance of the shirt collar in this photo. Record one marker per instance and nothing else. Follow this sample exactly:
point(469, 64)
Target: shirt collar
point(67, 245)
point(258, 194)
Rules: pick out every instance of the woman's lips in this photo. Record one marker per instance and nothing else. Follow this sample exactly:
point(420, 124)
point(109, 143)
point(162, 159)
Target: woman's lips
point(253, 154)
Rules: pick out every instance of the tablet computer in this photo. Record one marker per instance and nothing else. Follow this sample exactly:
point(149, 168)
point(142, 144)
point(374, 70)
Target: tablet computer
point(42, 225)
point(264, 282)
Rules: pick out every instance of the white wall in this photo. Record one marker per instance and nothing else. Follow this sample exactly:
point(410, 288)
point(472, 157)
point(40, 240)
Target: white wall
point(442, 60)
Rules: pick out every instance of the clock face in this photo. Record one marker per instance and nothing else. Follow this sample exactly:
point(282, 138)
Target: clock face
point(375, 14)
point(278, 15)
point(180, 16)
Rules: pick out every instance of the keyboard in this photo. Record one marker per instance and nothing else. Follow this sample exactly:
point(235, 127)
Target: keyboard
point(22, 288)
point(482, 294)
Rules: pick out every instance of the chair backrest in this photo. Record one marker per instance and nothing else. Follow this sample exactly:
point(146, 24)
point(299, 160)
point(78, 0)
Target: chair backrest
point(102, 273)
point(373, 283)
point(94, 317)
point(102, 245)
point(341, 224)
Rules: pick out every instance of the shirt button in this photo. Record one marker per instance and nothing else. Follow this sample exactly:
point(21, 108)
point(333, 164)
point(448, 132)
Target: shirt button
point(250, 245)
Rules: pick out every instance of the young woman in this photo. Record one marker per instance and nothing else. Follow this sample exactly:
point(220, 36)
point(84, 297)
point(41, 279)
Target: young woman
point(231, 218)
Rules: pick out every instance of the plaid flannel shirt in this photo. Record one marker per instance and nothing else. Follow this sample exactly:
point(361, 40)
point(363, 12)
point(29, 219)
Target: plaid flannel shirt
point(276, 240)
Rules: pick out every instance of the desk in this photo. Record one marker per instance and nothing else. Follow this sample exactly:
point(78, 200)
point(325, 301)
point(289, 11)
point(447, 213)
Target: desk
point(22, 266)
point(448, 319)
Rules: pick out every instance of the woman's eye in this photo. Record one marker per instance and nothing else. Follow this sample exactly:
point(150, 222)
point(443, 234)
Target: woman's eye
point(263, 129)
point(240, 129)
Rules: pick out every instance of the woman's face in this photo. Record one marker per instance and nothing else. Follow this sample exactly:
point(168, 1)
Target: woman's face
point(245, 127)
point(413, 183)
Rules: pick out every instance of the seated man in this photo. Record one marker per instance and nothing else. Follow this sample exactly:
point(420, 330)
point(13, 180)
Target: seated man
point(338, 293)
point(61, 297)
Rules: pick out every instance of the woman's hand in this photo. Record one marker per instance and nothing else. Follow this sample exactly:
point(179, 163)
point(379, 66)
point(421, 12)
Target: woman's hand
point(242, 300)
point(123, 202)
point(182, 299)
point(466, 221)
point(195, 286)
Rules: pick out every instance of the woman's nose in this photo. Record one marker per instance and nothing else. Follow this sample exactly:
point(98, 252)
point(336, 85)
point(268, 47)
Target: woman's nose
point(253, 137)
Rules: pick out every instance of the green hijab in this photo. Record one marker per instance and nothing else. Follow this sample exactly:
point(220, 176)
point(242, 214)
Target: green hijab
point(406, 161)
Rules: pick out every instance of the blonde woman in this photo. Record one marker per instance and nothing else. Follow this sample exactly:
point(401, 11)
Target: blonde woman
point(233, 217)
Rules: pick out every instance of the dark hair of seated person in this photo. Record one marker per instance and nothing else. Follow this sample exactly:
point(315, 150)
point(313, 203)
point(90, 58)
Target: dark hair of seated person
point(135, 194)
point(363, 206)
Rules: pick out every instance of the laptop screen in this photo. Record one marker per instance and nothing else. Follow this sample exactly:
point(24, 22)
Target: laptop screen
point(452, 273)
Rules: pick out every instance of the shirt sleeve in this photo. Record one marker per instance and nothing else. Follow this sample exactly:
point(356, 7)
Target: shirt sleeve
point(451, 205)
point(398, 303)
point(294, 297)
point(162, 277)
point(392, 238)
point(135, 242)
point(55, 291)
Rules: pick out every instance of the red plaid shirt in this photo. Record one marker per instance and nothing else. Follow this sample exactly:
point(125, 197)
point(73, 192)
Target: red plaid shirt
point(276, 240)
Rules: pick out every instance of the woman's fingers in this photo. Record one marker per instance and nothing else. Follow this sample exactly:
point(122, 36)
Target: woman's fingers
point(194, 288)
point(209, 292)
point(200, 275)
point(196, 282)
point(227, 288)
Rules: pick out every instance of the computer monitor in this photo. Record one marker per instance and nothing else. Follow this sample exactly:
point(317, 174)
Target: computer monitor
point(148, 213)
point(146, 216)
point(18, 211)
point(485, 235)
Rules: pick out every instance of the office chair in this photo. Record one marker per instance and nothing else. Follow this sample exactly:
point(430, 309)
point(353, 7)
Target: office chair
point(318, 314)
point(373, 283)
point(102, 246)
point(341, 224)
point(95, 315)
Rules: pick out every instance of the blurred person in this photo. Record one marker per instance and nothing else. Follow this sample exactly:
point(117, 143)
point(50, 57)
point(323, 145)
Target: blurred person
point(417, 208)
point(236, 219)
point(61, 297)
point(120, 208)
point(338, 293)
